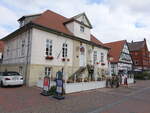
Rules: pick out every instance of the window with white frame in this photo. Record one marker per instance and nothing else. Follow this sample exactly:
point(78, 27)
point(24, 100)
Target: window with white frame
point(102, 57)
point(47, 71)
point(49, 47)
point(22, 47)
point(64, 50)
point(94, 57)
point(81, 28)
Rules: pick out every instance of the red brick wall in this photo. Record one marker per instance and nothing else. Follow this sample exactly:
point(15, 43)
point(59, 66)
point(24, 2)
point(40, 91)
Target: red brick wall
point(142, 57)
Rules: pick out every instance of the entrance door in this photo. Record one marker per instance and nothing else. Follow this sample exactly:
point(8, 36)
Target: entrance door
point(82, 56)
point(82, 63)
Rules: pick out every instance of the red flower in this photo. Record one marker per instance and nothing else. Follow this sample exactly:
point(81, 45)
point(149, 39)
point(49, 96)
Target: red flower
point(97, 63)
point(103, 64)
point(49, 57)
point(63, 59)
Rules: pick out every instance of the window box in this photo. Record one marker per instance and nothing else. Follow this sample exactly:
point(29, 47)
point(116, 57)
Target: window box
point(64, 59)
point(102, 64)
point(49, 57)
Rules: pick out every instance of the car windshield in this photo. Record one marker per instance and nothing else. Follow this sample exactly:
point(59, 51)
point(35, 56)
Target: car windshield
point(11, 74)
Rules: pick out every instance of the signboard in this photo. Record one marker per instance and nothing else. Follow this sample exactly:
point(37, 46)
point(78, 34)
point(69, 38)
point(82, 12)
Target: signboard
point(46, 85)
point(59, 83)
point(59, 86)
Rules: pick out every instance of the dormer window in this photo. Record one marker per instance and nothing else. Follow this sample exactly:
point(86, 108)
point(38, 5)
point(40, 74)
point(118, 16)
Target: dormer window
point(81, 28)
point(22, 23)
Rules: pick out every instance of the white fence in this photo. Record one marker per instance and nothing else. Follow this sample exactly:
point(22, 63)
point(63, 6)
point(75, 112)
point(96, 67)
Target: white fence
point(81, 86)
point(130, 80)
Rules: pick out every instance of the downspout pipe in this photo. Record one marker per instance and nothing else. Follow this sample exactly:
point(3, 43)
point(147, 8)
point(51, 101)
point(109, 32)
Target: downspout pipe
point(27, 56)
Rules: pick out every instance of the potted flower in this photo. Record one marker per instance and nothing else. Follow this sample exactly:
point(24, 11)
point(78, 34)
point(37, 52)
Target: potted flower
point(99, 79)
point(79, 80)
point(49, 57)
point(86, 79)
point(70, 79)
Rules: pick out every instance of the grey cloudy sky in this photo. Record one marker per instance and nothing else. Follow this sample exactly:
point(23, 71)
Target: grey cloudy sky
point(111, 19)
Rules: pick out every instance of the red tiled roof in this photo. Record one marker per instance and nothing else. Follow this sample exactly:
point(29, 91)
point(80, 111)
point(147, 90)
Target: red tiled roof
point(116, 48)
point(96, 41)
point(52, 20)
point(55, 21)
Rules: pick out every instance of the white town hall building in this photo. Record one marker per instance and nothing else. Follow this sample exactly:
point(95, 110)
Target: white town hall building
point(47, 42)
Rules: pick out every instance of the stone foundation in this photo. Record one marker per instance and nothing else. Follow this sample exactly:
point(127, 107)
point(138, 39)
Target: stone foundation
point(36, 72)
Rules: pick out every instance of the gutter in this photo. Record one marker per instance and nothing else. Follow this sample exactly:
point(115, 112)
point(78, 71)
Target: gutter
point(27, 56)
point(31, 25)
point(67, 35)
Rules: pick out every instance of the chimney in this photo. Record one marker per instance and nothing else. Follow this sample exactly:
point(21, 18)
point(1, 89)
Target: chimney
point(144, 39)
point(132, 41)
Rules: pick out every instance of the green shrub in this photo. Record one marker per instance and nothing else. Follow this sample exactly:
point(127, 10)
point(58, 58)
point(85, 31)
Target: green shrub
point(142, 75)
point(52, 90)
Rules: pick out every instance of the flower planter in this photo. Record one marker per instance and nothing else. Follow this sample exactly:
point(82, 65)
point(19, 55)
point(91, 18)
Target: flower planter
point(63, 59)
point(102, 64)
point(49, 57)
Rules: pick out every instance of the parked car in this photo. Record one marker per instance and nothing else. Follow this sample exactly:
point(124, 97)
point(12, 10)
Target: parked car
point(11, 78)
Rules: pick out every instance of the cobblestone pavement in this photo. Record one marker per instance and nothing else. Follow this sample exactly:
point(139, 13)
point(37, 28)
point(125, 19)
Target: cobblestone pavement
point(134, 99)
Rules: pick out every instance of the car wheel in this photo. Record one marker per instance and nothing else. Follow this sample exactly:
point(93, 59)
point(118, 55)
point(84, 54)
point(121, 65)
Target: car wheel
point(1, 84)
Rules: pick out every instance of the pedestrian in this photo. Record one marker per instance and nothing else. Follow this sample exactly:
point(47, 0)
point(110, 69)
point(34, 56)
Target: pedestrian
point(112, 82)
point(107, 82)
point(125, 80)
point(117, 81)
point(120, 79)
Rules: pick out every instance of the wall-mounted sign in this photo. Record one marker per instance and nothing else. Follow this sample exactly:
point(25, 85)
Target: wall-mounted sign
point(82, 49)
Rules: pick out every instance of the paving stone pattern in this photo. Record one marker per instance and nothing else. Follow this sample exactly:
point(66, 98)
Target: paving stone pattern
point(134, 99)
